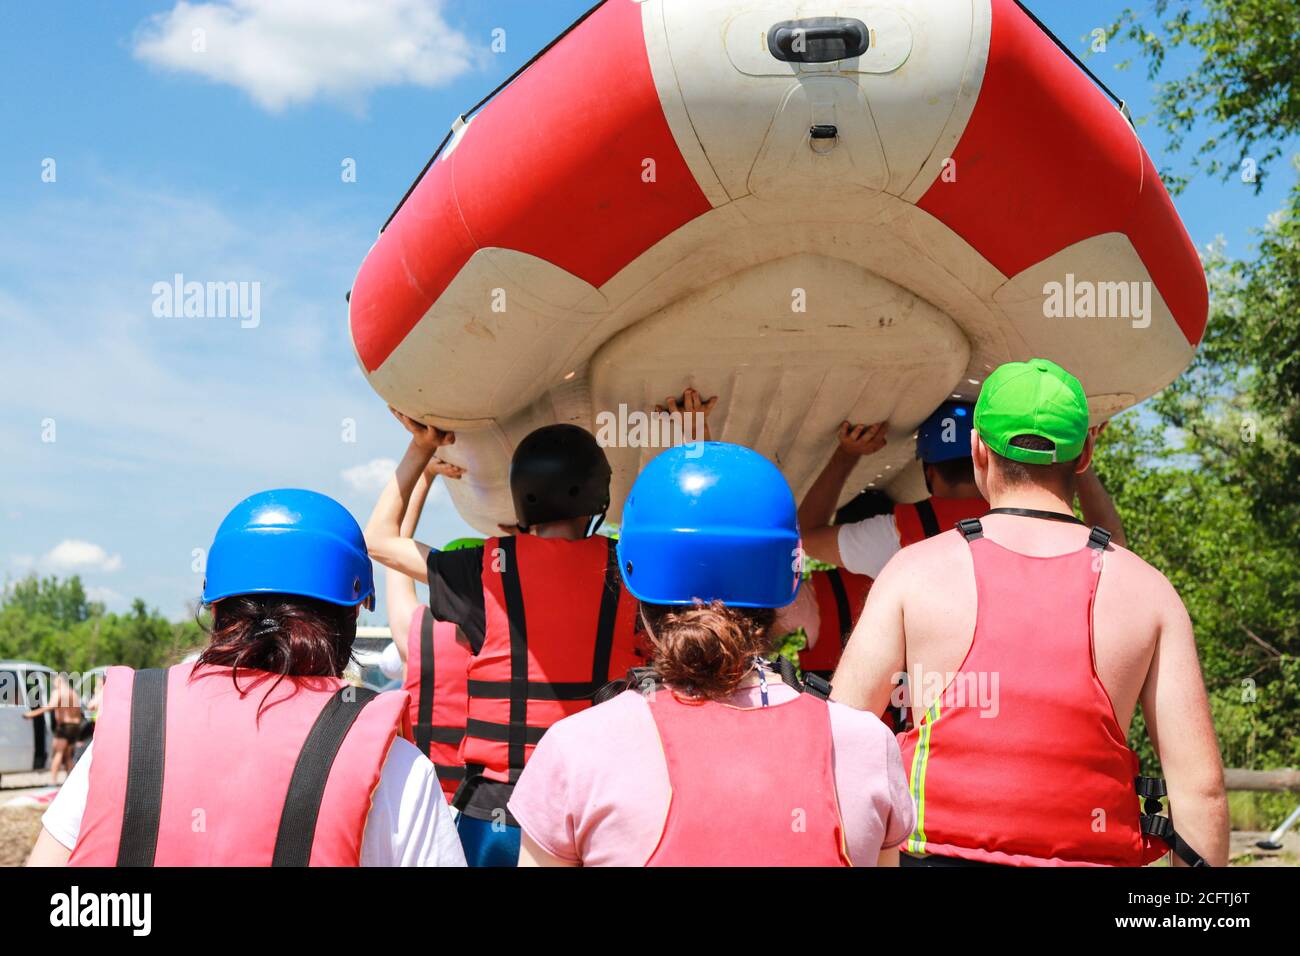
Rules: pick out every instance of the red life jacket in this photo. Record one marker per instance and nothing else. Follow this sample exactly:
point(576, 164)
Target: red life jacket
point(930, 516)
point(840, 597)
point(559, 627)
point(436, 665)
point(750, 786)
point(194, 773)
point(1046, 779)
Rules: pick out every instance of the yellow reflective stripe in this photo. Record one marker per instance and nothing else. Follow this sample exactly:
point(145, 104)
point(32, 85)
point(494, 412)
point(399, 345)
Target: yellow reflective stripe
point(916, 781)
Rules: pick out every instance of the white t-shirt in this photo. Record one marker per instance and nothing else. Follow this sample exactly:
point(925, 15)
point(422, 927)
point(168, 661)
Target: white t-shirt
point(390, 662)
point(867, 545)
point(409, 823)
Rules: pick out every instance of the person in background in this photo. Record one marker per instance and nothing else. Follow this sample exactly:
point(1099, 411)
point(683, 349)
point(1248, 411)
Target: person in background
point(305, 769)
point(430, 657)
point(1026, 675)
point(943, 446)
point(543, 610)
point(709, 758)
point(65, 705)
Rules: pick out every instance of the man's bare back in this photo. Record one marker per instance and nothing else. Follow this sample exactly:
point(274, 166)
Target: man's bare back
point(1134, 603)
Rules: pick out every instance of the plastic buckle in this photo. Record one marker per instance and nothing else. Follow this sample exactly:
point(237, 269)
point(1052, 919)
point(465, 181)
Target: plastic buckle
point(1099, 538)
point(1162, 828)
point(970, 528)
point(1150, 786)
point(817, 685)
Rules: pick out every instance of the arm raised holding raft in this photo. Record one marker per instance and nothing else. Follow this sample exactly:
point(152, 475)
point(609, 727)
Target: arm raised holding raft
point(817, 510)
point(384, 538)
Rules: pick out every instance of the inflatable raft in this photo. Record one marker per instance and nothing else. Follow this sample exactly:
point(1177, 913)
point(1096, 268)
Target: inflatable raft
point(815, 210)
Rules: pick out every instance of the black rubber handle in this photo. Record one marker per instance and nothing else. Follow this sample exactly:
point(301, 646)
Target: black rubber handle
point(818, 39)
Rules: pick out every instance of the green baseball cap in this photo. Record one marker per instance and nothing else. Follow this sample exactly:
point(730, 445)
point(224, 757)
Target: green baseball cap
point(1037, 397)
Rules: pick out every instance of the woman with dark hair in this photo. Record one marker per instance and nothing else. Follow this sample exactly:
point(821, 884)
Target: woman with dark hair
point(258, 753)
point(710, 757)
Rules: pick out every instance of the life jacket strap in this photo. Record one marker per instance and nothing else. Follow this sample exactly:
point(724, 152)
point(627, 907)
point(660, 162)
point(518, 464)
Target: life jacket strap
point(841, 595)
point(929, 520)
point(1151, 790)
point(142, 808)
point(518, 734)
point(423, 729)
point(293, 841)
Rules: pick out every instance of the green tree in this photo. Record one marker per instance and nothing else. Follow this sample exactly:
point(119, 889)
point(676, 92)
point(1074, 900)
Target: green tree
point(1237, 91)
point(52, 622)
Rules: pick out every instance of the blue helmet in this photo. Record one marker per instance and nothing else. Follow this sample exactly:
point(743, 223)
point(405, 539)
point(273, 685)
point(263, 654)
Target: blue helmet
point(945, 435)
point(290, 541)
point(710, 521)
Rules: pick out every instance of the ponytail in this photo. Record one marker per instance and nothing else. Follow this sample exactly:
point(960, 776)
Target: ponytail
point(706, 650)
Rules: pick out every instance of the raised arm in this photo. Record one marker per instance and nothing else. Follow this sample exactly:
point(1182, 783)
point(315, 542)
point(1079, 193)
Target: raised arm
point(1178, 719)
point(399, 589)
point(384, 538)
point(1098, 508)
point(876, 654)
point(1095, 502)
point(817, 510)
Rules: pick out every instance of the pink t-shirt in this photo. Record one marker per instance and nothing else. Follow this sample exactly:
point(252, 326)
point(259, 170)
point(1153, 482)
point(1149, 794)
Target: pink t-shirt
point(595, 790)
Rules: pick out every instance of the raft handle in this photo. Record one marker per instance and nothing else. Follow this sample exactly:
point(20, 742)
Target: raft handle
point(818, 39)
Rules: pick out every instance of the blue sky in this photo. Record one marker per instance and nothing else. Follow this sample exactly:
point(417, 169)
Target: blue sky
point(161, 424)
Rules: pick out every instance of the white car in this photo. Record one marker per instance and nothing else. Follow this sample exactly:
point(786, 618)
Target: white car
point(24, 743)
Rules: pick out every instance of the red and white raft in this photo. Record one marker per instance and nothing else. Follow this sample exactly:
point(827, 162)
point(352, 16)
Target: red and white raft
point(670, 195)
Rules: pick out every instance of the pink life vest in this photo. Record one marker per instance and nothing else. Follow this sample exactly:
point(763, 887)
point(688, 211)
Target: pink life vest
point(750, 786)
point(192, 772)
point(437, 681)
point(1046, 778)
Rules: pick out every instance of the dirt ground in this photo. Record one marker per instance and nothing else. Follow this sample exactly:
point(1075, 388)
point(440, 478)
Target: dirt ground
point(18, 829)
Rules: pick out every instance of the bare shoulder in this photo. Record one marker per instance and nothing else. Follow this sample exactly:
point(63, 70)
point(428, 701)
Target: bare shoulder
point(1130, 581)
point(924, 559)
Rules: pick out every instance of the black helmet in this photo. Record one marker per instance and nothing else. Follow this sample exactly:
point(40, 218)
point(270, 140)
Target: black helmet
point(558, 472)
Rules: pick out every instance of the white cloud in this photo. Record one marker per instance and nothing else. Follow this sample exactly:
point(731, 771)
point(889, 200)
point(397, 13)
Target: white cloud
point(287, 52)
point(73, 555)
point(370, 478)
point(105, 596)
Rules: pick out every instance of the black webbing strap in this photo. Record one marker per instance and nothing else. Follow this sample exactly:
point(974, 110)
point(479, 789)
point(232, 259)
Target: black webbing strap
point(841, 604)
point(812, 683)
point(608, 618)
point(424, 709)
point(1151, 789)
point(1035, 513)
point(144, 769)
point(297, 832)
point(929, 520)
point(970, 528)
point(517, 734)
point(1098, 537)
point(446, 772)
point(517, 729)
